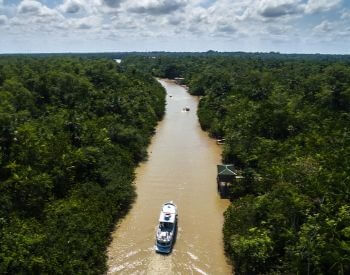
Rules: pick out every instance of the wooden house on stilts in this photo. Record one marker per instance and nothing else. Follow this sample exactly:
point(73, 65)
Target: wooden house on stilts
point(226, 176)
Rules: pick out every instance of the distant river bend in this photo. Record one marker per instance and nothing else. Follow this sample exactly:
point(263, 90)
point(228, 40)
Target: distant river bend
point(181, 167)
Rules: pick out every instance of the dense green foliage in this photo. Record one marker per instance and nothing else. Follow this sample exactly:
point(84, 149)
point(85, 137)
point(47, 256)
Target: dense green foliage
point(210, 53)
point(287, 128)
point(71, 133)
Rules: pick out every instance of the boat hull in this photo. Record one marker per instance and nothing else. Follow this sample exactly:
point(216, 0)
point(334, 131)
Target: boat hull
point(166, 249)
point(163, 249)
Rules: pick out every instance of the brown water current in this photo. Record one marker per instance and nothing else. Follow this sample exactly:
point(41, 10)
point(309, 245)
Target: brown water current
point(181, 167)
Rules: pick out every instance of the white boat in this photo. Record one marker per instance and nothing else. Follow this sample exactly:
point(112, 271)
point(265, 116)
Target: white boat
point(220, 141)
point(166, 230)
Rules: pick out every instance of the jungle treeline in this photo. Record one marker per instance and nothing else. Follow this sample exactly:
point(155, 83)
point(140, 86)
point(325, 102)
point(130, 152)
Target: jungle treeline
point(286, 123)
point(72, 132)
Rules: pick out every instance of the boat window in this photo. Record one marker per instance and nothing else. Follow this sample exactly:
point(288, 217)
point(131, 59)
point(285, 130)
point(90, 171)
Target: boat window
point(168, 226)
point(162, 243)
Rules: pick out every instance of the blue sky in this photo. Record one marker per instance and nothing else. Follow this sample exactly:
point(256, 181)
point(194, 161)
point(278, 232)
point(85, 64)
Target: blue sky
point(288, 26)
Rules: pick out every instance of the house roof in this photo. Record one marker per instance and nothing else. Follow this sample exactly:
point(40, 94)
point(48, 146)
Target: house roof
point(226, 170)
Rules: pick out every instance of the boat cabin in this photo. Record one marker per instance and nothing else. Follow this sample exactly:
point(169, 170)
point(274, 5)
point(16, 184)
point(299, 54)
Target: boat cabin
point(166, 217)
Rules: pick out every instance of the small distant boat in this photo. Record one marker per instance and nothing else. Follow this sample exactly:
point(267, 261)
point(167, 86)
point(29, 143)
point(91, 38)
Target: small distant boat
point(186, 109)
point(220, 141)
point(166, 230)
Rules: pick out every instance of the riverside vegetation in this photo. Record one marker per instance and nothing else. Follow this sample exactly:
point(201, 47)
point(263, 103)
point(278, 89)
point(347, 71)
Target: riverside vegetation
point(286, 124)
point(71, 133)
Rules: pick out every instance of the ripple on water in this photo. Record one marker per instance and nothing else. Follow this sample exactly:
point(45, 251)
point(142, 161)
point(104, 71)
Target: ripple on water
point(131, 253)
point(193, 257)
point(199, 270)
point(160, 264)
point(130, 267)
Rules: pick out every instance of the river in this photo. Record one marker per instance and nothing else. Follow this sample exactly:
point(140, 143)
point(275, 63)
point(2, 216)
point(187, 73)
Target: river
point(181, 167)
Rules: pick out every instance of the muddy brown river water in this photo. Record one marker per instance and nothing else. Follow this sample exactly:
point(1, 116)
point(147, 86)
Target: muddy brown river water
point(181, 167)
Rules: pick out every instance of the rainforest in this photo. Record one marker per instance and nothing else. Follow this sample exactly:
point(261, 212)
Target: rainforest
point(285, 121)
point(74, 128)
point(71, 133)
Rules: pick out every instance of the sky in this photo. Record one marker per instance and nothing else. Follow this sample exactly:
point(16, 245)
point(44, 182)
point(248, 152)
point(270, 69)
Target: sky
point(286, 26)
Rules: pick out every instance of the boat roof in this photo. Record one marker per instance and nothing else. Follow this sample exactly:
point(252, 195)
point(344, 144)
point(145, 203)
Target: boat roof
point(168, 213)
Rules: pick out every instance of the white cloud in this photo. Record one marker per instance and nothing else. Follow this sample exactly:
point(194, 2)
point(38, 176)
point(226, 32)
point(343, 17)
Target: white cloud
point(279, 30)
point(278, 8)
point(226, 28)
point(155, 7)
point(324, 27)
point(198, 15)
point(251, 16)
point(247, 18)
point(315, 6)
point(112, 3)
point(85, 23)
point(175, 20)
point(29, 6)
point(332, 31)
point(3, 19)
point(34, 13)
point(266, 21)
point(71, 6)
point(345, 14)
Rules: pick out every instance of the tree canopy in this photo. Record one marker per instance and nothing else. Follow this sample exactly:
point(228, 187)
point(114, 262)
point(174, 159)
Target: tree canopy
point(285, 121)
point(71, 133)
